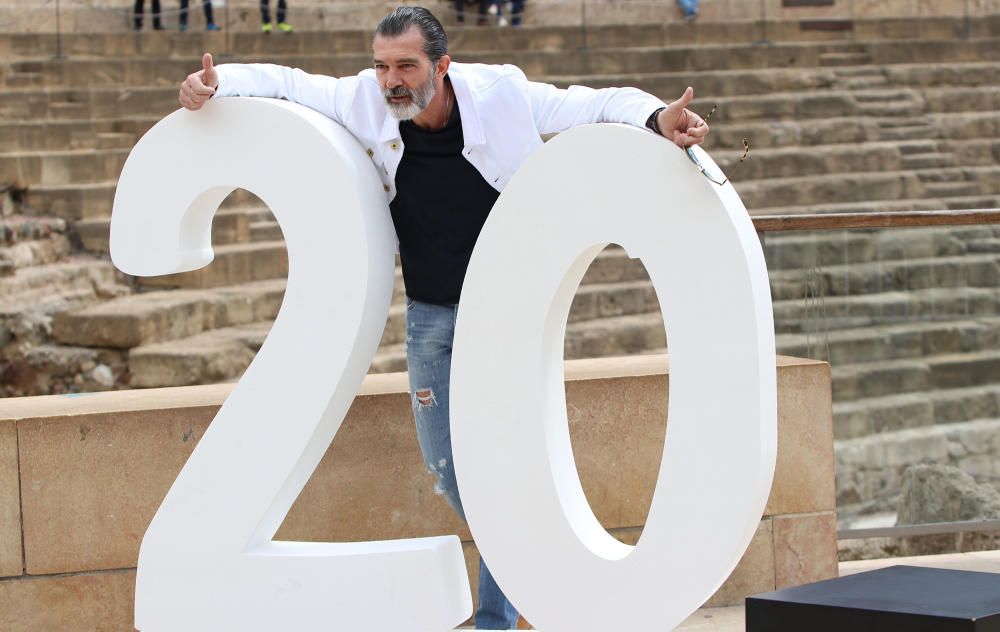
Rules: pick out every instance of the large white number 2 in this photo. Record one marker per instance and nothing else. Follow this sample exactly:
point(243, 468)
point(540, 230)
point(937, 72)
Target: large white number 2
point(208, 561)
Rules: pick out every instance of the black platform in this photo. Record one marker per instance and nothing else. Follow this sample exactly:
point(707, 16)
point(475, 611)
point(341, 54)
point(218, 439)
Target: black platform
point(894, 599)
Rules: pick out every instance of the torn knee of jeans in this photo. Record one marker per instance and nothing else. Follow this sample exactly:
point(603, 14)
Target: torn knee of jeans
point(424, 398)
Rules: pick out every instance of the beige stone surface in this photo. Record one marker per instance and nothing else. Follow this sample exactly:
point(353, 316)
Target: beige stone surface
point(371, 484)
point(754, 574)
point(617, 428)
point(805, 548)
point(96, 602)
point(803, 475)
point(91, 483)
point(94, 468)
point(10, 503)
point(731, 619)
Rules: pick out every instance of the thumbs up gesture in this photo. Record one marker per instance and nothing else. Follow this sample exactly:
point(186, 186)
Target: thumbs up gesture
point(680, 124)
point(199, 86)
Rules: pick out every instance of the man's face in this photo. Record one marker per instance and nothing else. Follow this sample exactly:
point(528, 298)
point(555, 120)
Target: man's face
point(405, 73)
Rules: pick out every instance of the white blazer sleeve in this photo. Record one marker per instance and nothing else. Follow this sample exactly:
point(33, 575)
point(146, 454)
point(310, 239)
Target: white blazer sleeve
point(327, 95)
point(556, 109)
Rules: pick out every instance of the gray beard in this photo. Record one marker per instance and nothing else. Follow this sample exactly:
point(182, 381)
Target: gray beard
point(420, 97)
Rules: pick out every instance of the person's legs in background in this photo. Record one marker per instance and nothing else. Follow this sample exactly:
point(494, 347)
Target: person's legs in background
point(484, 7)
point(689, 8)
point(137, 19)
point(210, 24)
point(265, 17)
point(430, 331)
point(516, 9)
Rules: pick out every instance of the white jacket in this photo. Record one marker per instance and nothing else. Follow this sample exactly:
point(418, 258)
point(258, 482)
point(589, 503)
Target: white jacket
point(502, 112)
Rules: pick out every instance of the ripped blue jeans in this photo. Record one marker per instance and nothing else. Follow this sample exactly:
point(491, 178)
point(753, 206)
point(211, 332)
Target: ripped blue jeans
point(430, 330)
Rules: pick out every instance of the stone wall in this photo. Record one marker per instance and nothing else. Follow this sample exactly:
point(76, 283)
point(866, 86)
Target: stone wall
point(81, 476)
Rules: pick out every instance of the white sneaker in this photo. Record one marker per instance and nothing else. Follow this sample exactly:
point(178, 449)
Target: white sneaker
point(502, 21)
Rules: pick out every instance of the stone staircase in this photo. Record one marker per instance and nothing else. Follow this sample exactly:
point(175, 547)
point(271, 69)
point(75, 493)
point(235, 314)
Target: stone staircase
point(895, 115)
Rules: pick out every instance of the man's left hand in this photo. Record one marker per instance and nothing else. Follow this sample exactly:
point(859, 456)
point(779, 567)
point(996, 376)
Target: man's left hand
point(680, 124)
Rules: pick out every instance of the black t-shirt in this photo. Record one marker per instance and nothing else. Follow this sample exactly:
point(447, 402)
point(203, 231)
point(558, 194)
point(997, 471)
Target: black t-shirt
point(441, 204)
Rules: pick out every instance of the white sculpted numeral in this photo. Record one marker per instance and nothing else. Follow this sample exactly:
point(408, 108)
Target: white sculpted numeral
point(208, 561)
point(513, 459)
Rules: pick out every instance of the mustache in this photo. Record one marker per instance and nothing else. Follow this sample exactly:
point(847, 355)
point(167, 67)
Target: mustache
point(398, 91)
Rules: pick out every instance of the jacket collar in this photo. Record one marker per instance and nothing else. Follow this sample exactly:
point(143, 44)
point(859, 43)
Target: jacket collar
point(472, 125)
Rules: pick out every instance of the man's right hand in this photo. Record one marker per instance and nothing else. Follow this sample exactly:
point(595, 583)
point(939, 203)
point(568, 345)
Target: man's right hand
point(199, 86)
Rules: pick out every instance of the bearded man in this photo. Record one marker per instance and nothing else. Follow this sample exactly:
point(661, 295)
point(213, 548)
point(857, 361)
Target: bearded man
point(445, 139)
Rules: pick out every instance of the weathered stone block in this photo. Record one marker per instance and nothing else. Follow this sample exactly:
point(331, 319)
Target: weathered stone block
point(98, 601)
point(95, 468)
point(805, 548)
point(803, 478)
point(10, 503)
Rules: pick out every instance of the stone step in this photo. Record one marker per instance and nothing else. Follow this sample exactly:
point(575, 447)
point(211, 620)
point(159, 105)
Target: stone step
point(230, 226)
point(349, 39)
point(265, 231)
point(617, 335)
point(890, 413)
point(907, 340)
point(835, 130)
point(75, 272)
point(45, 250)
point(844, 59)
point(79, 166)
point(148, 317)
point(213, 356)
point(857, 187)
point(914, 375)
point(84, 71)
point(788, 162)
point(885, 206)
point(49, 135)
point(389, 359)
point(814, 317)
point(870, 469)
point(15, 229)
point(54, 369)
point(821, 104)
point(974, 270)
point(952, 189)
point(988, 244)
point(23, 79)
point(73, 104)
point(812, 250)
point(223, 354)
point(929, 160)
point(72, 201)
point(596, 301)
point(233, 264)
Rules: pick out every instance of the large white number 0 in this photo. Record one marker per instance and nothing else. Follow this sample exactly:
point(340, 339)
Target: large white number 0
point(207, 560)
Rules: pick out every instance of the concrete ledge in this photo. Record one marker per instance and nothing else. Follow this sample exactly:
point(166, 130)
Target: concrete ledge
point(93, 468)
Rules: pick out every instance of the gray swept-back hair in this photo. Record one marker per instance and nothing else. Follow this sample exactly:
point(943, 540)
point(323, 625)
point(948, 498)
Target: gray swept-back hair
point(403, 18)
